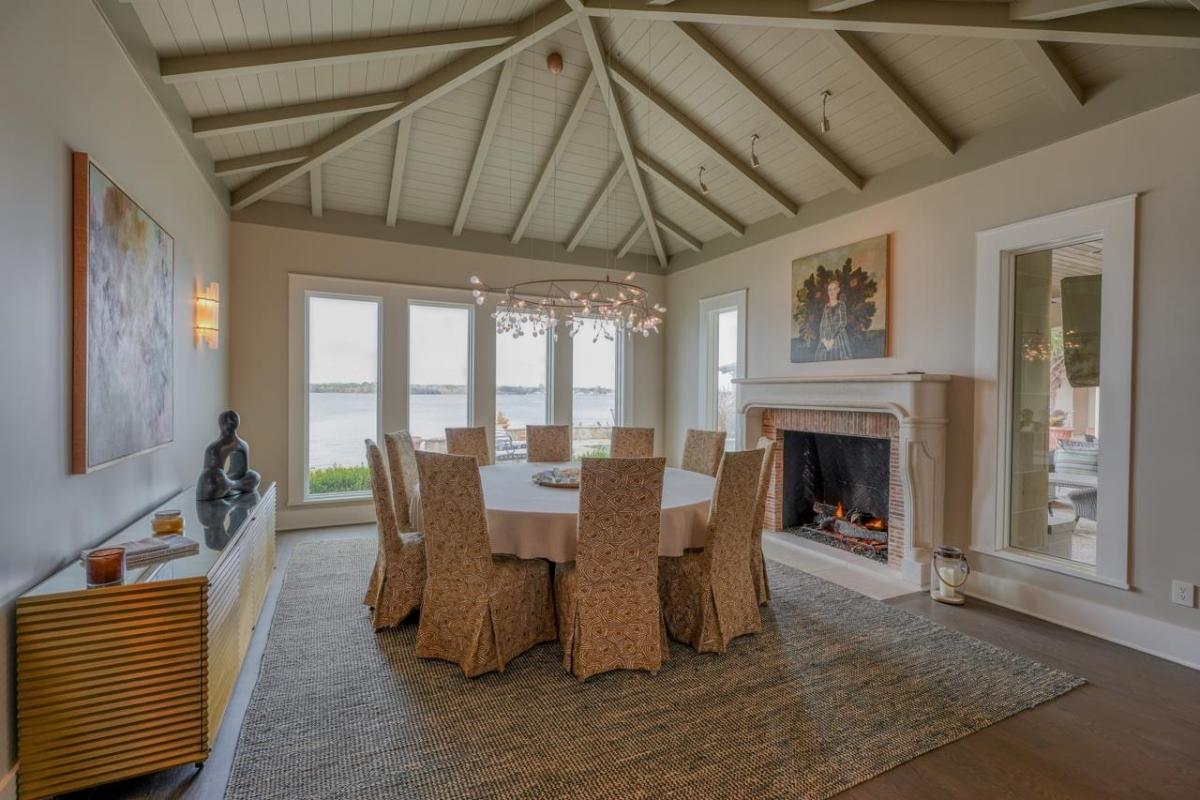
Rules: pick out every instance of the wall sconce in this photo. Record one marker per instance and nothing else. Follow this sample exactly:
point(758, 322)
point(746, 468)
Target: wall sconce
point(208, 315)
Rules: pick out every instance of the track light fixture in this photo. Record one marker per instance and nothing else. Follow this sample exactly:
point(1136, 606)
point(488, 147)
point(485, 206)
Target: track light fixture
point(754, 162)
point(703, 185)
point(825, 95)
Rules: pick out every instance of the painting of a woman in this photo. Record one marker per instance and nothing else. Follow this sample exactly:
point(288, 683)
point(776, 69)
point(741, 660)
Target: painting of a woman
point(835, 344)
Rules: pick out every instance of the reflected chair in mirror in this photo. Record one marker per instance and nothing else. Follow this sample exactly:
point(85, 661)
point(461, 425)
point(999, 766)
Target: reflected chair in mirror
point(702, 451)
point(758, 562)
point(399, 579)
point(479, 611)
point(548, 442)
point(469, 442)
point(402, 467)
point(632, 443)
point(708, 595)
point(609, 613)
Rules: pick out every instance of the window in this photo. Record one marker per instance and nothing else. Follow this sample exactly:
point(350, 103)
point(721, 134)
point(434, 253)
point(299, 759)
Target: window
point(342, 398)
point(595, 399)
point(1055, 398)
point(439, 371)
point(522, 398)
point(1047, 291)
point(722, 358)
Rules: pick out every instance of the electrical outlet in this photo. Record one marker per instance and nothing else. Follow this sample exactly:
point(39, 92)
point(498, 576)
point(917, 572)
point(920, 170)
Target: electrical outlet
point(1183, 593)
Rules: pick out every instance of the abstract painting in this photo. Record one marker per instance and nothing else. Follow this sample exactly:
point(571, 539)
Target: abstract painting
point(122, 397)
point(839, 302)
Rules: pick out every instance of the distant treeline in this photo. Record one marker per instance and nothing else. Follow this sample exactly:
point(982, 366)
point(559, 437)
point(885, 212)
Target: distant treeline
point(368, 387)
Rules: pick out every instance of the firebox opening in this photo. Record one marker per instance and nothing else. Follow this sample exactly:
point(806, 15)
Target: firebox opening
point(836, 489)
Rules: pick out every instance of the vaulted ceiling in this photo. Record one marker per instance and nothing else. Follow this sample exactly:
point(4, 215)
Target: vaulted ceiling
point(444, 112)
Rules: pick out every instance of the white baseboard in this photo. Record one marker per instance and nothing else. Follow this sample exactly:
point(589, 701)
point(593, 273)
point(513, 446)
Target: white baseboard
point(8, 783)
point(288, 519)
point(1155, 637)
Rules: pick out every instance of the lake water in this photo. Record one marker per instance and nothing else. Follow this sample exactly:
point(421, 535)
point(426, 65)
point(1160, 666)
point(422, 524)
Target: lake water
point(340, 422)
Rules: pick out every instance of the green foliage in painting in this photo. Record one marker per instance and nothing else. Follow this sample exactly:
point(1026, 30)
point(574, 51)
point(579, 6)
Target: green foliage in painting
point(858, 289)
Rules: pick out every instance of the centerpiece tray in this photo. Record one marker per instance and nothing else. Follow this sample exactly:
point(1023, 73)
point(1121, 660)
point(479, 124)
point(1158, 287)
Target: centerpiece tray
point(558, 478)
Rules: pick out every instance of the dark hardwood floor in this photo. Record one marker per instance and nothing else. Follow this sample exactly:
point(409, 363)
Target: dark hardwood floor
point(1132, 732)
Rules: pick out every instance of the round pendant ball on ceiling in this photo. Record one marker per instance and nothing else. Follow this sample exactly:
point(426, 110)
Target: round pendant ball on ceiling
point(554, 63)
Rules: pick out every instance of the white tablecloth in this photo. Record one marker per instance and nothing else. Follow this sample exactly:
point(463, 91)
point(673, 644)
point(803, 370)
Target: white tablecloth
point(532, 521)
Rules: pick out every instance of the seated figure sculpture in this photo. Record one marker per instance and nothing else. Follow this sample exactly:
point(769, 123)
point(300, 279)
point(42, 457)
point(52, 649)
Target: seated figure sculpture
point(227, 463)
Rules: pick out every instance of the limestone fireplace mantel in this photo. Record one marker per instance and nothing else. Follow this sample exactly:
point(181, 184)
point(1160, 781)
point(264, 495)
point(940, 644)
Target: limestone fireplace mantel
point(916, 400)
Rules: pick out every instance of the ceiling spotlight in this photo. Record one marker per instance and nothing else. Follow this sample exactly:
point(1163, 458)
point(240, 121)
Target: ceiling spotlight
point(703, 185)
point(825, 95)
point(754, 162)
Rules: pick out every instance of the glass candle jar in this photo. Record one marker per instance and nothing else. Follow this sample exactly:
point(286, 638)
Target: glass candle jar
point(167, 522)
point(950, 571)
point(105, 567)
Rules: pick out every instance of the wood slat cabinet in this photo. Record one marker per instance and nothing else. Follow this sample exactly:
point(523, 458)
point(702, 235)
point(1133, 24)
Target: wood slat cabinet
point(126, 680)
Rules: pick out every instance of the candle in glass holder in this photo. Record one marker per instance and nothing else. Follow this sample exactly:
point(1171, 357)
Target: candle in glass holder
point(105, 567)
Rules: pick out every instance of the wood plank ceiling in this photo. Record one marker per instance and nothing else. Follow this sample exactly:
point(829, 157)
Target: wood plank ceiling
point(443, 111)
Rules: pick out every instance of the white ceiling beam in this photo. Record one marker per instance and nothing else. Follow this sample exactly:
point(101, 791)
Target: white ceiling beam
point(792, 127)
point(403, 132)
point(233, 166)
point(660, 171)
point(832, 6)
point(1147, 27)
point(619, 171)
point(241, 121)
point(1040, 10)
point(631, 238)
point(851, 49)
point(499, 95)
point(315, 192)
point(436, 84)
point(175, 69)
point(560, 144)
point(635, 85)
point(1054, 73)
point(689, 241)
point(591, 41)
point(1196, 3)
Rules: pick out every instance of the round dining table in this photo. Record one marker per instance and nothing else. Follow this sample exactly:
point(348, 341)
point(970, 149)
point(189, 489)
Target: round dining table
point(528, 520)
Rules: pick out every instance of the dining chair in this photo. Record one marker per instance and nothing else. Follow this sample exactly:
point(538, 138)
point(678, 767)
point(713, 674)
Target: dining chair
point(702, 451)
point(402, 465)
point(609, 613)
point(632, 443)
point(548, 442)
point(708, 595)
point(469, 442)
point(398, 580)
point(479, 611)
point(758, 562)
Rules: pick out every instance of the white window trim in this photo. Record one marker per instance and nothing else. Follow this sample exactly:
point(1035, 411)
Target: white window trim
point(1115, 222)
point(300, 474)
point(710, 308)
point(472, 384)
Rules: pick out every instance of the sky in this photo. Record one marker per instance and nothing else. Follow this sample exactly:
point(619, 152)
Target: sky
point(343, 347)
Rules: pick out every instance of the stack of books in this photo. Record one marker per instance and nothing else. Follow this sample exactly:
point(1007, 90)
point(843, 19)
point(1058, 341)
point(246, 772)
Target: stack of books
point(154, 548)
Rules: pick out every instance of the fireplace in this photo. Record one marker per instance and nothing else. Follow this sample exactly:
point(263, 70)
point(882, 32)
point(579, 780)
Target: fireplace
point(836, 490)
point(875, 445)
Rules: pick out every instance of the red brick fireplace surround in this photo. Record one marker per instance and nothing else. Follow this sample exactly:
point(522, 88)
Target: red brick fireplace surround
point(775, 421)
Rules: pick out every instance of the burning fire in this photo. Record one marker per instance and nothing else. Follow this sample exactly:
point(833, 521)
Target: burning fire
point(877, 525)
point(840, 512)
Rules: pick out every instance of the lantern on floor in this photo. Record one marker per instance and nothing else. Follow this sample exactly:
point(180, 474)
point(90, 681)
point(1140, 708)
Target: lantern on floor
point(950, 571)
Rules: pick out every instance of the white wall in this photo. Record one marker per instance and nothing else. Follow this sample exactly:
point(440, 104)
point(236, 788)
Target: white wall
point(932, 302)
point(66, 85)
point(262, 257)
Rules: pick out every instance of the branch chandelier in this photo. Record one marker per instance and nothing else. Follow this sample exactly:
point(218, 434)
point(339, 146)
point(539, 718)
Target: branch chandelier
point(537, 308)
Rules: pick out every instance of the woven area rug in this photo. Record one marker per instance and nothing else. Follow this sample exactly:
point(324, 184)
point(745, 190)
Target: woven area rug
point(837, 689)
